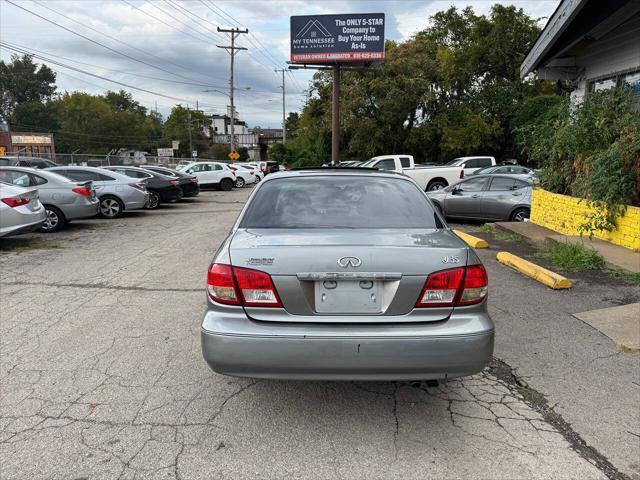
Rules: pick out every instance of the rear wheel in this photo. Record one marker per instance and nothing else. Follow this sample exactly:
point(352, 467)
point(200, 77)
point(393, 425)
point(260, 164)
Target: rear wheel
point(520, 215)
point(257, 179)
point(437, 184)
point(154, 200)
point(226, 184)
point(239, 182)
point(110, 207)
point(55, 220)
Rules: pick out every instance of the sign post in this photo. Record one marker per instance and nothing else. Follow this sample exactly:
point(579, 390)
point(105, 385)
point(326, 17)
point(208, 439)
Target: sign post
point(337, 42)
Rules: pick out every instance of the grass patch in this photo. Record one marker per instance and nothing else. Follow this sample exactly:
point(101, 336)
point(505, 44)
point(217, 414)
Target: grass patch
point(506, 236)
point(626, 276)
point(485, 228)
point(19, 245)
point(572, 256)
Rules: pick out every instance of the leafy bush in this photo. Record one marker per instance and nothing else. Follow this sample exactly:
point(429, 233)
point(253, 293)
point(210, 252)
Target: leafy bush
point(591, 151)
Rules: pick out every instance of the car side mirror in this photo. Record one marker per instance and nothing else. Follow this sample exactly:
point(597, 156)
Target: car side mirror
point(455, 190)
point(190, 171)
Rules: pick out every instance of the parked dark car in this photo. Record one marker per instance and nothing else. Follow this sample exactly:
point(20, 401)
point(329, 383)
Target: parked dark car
point(31, 162)
point(161, 188)
point(189, 183)
point(485, 197)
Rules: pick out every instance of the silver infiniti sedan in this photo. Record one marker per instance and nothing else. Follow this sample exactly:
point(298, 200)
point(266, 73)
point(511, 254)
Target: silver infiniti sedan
point(485, 197)
point(116, 192)
point(340, 274)
point(63, 199)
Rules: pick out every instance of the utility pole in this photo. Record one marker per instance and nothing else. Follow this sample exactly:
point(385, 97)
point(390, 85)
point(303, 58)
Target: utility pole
point(231, 49)
point(189, 123)
point(335, 116)
point(284, 128)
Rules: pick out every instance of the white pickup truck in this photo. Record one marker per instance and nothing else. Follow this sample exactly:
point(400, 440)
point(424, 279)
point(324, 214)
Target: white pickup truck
point(428, 177)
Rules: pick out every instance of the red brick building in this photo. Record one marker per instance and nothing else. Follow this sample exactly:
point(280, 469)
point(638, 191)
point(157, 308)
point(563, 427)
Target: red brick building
point(27, 144)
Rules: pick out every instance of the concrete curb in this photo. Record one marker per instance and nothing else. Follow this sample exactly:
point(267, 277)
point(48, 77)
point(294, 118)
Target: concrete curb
point(542, 275)
point(473, 242)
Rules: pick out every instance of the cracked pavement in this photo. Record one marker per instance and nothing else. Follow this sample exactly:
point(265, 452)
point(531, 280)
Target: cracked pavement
point(101, 377)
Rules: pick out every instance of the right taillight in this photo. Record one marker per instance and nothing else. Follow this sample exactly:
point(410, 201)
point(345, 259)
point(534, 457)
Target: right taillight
point(454, 287)
point(241, 286)
point(462, 173)
point(475, 287)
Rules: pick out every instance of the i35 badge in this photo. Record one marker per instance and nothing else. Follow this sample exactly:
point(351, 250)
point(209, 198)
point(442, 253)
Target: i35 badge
point(345, 262)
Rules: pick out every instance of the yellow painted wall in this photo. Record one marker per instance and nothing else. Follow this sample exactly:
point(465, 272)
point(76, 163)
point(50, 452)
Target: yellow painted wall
point(565, 214)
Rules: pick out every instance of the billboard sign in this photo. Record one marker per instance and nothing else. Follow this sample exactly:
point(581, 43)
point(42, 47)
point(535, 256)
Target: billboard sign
point(356, 37)
point(165, 152)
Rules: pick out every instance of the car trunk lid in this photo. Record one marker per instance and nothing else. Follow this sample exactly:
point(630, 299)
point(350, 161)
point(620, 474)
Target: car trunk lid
point(362, 275)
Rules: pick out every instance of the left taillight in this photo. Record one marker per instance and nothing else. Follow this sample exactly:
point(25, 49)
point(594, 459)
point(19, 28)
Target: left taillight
point(84, 191)
point(16, 201)
point(241, 286)
point(220, 285)
point(454, 287)
point(175, 183)
point(193, 180)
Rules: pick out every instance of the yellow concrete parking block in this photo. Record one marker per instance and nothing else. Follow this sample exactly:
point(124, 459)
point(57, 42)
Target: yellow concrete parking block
point(473, 242)
point(542, 275)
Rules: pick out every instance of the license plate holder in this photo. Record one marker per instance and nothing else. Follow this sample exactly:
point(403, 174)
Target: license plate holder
point(348, 296)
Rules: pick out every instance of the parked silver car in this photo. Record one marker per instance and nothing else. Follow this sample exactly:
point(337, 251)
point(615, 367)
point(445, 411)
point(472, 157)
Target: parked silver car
point(20, 210)
point(115, 191)
point(485, 197)
point(345, 275)
point(63, 199)
point(517, 171)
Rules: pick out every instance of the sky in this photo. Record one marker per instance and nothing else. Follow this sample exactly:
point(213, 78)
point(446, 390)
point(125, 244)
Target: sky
point(167, 49)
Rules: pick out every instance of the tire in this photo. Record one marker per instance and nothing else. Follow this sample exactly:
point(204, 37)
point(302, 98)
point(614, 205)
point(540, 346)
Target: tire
point(519, 214)
point(437, 184)
point(154, 200)
point(226, 184)
point(55, 220)
point(110, 207)
point(257, 179)
point(239, 182)
point(439, 208)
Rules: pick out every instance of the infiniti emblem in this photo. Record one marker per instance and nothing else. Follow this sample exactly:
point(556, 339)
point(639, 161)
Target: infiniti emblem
point(345, 262)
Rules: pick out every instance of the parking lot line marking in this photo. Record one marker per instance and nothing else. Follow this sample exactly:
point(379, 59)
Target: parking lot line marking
point(541, 274)
point(473, 242)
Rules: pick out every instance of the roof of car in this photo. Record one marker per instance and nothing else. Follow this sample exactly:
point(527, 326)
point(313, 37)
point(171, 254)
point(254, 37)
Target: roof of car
point(322, 171)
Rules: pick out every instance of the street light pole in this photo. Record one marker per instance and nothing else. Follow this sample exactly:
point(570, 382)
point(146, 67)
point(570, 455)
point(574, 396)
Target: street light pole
point(284, 128)
point(232, 51)
point(190, 140)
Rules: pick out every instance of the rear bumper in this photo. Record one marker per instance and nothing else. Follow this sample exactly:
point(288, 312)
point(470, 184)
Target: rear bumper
point(86, 209)
point(242, 347)
point(171, 194)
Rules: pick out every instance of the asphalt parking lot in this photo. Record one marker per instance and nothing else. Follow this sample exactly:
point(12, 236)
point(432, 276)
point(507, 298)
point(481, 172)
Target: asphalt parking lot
point(101, 375)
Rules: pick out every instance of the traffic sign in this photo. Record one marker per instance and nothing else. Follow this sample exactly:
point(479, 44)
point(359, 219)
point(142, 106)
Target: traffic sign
point(194, 153)
point(165, 152)
point(234, 155)
point(175, 144)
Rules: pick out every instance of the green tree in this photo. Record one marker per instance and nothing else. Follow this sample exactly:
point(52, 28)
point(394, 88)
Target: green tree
point(177, 126)
point(21, 81)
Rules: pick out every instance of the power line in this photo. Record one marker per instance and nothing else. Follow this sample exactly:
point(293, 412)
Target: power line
point(98, 43)
point(166, 23)
point(108, 36)
point(277, 62)
point(116, 71)
point(75, 69)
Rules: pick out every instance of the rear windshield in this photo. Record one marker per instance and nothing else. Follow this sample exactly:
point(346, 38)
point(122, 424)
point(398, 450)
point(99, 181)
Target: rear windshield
point(339, 202)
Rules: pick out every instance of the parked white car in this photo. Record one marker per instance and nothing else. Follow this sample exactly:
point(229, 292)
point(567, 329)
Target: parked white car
point(211, 174)
point(255, 168)
point(471, 164)
point(429, 178)
point(244, 176)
